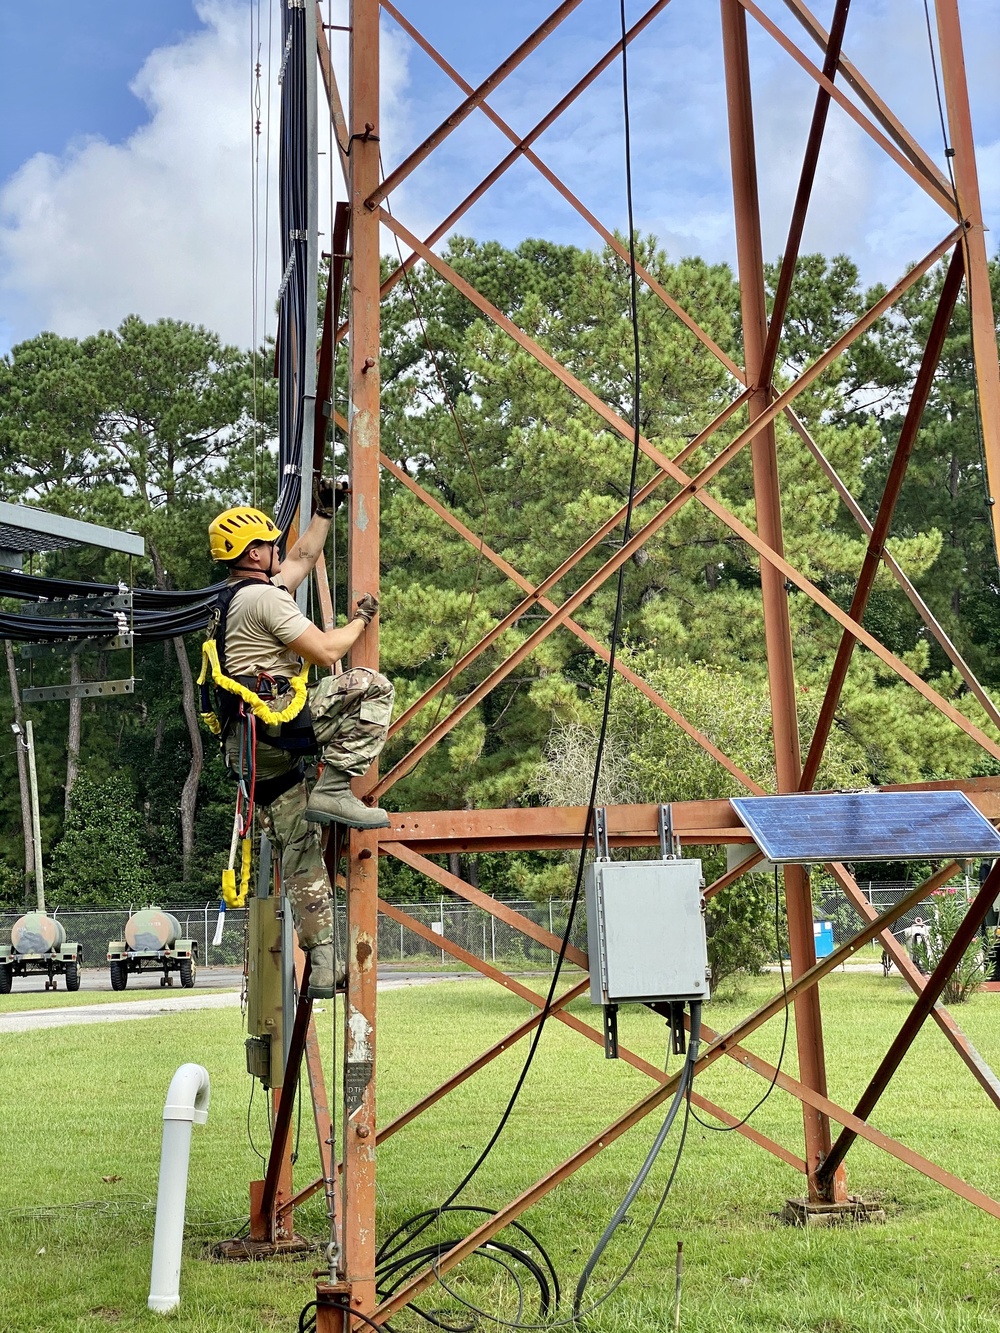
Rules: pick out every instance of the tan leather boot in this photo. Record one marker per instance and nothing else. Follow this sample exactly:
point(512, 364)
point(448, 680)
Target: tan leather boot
point(322, 978)
point(333, 802)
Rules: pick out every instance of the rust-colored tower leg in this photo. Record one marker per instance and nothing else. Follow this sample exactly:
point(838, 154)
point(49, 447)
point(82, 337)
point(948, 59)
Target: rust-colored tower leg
point(777, 629)
point(976, 267)
point(358, 1211)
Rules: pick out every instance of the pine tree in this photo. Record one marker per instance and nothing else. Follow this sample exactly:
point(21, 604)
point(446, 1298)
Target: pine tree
point(100, 860)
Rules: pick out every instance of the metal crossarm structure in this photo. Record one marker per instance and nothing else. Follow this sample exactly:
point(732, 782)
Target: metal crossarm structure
point(758, 397)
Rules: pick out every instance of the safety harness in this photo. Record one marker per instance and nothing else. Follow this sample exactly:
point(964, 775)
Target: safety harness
point(230, 692)
point(243, 701)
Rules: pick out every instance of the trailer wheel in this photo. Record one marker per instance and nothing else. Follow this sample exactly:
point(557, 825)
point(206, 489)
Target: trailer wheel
point(119, 976)
point(188, 970)
point(72, 975)
point(6, 978)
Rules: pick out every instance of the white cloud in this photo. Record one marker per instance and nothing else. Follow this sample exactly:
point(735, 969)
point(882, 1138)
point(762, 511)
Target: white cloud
point(159, 225)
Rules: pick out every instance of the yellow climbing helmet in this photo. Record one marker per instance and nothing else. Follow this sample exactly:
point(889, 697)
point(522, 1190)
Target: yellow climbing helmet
point(231, 533)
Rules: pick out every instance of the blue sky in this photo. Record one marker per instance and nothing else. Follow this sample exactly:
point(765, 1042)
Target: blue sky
point(125, 163)
point(66, 70)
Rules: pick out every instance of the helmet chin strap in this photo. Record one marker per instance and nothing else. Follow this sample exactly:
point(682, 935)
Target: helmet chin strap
point(252, 569)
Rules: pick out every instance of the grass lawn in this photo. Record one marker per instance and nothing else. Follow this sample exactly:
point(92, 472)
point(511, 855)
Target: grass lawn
point(84, 1103)
point(18, 1001)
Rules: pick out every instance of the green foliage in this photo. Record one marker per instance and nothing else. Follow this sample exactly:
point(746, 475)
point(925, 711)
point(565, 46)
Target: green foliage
point(12, 888)
point(151, 428)
point(930, 1269)
point(524, 463)
point(945, 490)
point(154, 427)
point(740, 924)
point(100, 860)
point(648, 758)
point(949, 910)
point(147, 427)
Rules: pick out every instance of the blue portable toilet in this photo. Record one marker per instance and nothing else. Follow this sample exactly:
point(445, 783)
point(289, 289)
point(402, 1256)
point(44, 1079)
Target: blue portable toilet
point(823, 933)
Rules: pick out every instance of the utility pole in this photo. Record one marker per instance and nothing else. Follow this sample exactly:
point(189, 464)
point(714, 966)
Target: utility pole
point(22, 775)
point(36, 823)
point(26, 742)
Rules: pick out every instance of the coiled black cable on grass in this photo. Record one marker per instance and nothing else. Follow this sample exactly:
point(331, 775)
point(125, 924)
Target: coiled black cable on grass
point(523, 1257)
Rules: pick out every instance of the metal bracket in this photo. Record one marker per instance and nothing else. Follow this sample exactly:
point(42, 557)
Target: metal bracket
point(62, 646)
point(611, 1032)
point(675, 1021)
point(670, 843)
point(369, 136)
point(90, 689)
point(80, 606)
point(333, 1306)
point(601, 849)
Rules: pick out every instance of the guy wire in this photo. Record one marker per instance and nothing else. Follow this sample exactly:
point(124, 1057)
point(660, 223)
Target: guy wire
point(468, 457)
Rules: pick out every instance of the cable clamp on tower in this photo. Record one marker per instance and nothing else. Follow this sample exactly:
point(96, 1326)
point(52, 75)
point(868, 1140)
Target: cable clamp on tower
point(284, 58)
point(286, 275)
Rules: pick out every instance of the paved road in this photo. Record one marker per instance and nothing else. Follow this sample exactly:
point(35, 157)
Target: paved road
point(207, 978)
point(97, 978)
point(31, 1020)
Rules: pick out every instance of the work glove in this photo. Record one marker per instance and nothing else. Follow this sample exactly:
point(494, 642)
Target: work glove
point(367, 609)
point(328, 495)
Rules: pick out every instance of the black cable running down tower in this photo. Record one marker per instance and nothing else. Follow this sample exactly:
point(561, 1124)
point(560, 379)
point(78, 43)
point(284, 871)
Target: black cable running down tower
point(293, 293)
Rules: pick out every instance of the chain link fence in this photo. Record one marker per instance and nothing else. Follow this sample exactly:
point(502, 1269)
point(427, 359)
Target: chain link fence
point(477, 931)
point(831, 903)
point(96, 929)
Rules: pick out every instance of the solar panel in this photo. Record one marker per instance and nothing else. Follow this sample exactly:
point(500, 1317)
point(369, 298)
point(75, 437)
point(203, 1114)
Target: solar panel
point(812, 828)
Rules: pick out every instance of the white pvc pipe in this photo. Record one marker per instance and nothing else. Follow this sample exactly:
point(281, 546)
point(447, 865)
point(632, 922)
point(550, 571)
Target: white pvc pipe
point(186, 1105)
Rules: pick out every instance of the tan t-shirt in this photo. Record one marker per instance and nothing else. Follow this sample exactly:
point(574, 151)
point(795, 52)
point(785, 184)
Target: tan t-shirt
point(262, 619)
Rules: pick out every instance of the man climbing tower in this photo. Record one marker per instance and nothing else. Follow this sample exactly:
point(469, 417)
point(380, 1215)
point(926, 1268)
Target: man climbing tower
point(262, 639)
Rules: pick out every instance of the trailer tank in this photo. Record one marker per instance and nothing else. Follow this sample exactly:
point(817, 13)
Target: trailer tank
point(39, 947)
point(37, 932)
point(152, 929)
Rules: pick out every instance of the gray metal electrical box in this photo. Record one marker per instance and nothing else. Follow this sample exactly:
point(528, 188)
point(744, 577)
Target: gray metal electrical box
point(646, 931)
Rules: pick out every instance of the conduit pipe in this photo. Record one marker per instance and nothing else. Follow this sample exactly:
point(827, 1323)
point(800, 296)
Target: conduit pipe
point(186, 1105)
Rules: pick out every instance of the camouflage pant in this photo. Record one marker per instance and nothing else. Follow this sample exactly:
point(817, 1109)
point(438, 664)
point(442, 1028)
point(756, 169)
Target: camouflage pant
point(304, 878)
point(351, 714)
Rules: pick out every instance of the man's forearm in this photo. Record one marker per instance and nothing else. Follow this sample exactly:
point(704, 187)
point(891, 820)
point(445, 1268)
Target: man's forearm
point(341, 640)
point(309, 546)
point(323, 647)
point(301, 560)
